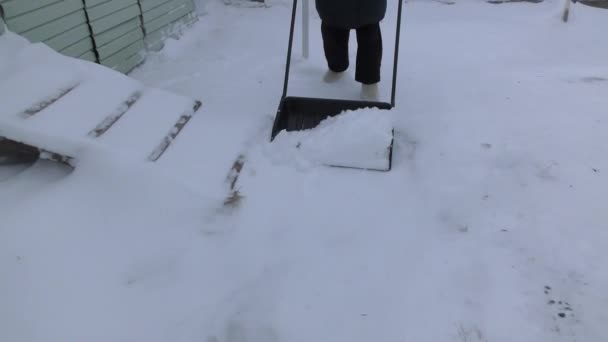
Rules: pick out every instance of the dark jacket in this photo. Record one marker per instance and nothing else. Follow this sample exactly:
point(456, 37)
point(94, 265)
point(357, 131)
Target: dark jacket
point(351, 13)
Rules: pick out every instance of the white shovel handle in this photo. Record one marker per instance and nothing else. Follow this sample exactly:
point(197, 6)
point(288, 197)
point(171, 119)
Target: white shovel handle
point(305, 28)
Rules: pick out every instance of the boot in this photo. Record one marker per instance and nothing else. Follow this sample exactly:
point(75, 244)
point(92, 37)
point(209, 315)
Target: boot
point(332, 76)
point(369, 92)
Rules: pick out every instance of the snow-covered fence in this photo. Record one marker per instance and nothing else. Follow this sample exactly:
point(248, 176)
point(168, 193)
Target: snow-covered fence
point(117, 32)
point(161, 18)
point(1, 22)
point(110, 32)
point(62, 25)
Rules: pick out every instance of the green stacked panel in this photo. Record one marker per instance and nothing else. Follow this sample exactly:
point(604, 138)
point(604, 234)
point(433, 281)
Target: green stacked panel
point(114, 33)
point(61, 24)
point(162, 17)
point(117, 32)
point(2, 28)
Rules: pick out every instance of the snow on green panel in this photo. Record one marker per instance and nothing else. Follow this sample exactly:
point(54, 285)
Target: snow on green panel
point(13, 8)
point(147, 5)
point(108, 8)
point(57, 27)
point(120, 43)
point(91, 3)
point(76, 50)
point(165, 20)
point(43, 15)
point(115, 19)
point(154, 40)
point(89, 56)
point(123, 54)
point(164, 9)
point(130, 63)
point(116, 32)
point(69, 37)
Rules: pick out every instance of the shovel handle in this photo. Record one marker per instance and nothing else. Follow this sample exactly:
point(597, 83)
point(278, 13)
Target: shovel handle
point(396, 58)
point(287, 65)
point(305, 29)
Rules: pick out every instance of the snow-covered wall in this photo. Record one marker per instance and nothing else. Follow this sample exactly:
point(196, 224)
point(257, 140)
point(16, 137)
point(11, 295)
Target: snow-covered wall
point(200, 6)
point(2, 29)
point(110, 32)
point(161, 18)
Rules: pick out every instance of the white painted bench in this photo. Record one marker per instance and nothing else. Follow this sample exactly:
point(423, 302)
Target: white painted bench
point(60, 107)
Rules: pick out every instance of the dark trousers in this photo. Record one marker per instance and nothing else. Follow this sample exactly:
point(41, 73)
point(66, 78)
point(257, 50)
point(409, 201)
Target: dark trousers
point(369, 51)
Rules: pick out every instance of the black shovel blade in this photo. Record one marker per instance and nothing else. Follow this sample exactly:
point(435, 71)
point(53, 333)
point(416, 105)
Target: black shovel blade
point(12, 152)
point(301, 113)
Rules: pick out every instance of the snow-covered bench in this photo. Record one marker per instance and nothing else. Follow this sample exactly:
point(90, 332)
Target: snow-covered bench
point(58, 107)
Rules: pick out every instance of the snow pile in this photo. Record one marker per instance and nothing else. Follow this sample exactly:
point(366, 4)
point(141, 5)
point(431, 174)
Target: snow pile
point(89, 254)
point(355, 138)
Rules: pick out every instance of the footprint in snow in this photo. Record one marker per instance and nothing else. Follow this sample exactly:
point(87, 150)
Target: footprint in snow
point(245, 326)
point(594, 79)
point(470, 334)
point(560, 308)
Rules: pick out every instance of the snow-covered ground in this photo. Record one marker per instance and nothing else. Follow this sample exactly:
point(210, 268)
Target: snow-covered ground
point(492, 225)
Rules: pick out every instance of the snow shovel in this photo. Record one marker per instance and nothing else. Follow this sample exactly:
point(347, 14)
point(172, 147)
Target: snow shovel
point(302, 113)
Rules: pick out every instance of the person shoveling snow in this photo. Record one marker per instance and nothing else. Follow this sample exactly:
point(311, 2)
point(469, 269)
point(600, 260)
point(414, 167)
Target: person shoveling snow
point(296, 113)
point(338, 18)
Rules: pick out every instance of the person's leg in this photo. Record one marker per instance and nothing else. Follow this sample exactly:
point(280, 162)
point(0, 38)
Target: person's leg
point(369, 54)
point(335, 44)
